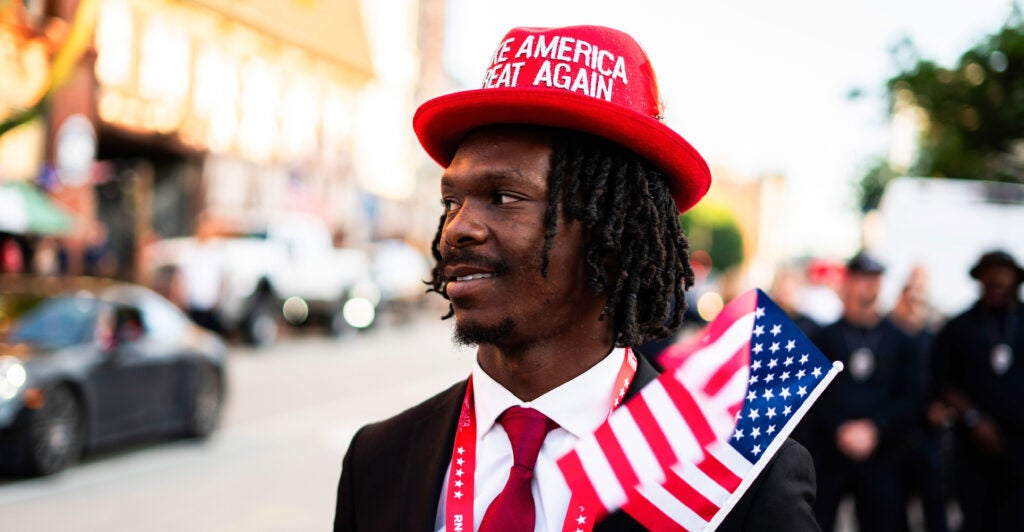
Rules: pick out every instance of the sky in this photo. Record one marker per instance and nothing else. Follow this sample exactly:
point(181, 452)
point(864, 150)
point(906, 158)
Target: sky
point(760, 87)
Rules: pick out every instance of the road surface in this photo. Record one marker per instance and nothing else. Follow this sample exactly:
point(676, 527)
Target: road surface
point(274, 464)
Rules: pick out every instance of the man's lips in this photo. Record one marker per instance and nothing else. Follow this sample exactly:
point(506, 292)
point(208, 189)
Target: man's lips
point(463, 280)
point(474, 276)
point(465, 272)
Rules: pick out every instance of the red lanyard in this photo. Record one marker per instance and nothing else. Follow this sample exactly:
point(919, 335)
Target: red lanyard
point(459, 498)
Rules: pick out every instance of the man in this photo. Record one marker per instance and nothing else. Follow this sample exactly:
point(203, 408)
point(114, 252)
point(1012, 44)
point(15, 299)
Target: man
point(857, 429)
point(559, 245)
point(928, 437)
point(980, 377)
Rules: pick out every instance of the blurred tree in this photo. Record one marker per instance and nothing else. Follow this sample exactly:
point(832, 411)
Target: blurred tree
point(872, 185)
point(974, 112)
point(713, 228)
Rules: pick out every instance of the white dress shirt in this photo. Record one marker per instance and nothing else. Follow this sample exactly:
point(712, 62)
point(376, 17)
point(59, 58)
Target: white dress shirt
point(578, 406)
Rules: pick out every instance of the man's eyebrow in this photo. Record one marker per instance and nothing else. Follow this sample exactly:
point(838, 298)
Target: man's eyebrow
point(491, 177)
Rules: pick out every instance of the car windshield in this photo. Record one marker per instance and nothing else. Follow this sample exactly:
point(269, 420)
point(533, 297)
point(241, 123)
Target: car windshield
point(47, 323)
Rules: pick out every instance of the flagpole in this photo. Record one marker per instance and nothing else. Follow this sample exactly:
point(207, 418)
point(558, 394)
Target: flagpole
point(773, 447)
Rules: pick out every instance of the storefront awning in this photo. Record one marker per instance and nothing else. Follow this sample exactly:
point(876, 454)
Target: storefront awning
point(330, 28)
point(24, 209)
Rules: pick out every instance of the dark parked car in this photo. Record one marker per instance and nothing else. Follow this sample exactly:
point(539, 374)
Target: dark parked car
point(86, 363)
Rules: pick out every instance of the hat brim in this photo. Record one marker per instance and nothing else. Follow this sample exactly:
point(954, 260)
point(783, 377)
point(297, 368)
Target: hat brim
point(975, 272)
point(443, 122)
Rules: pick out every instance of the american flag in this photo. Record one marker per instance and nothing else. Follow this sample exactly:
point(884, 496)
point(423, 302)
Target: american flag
point(681, 453)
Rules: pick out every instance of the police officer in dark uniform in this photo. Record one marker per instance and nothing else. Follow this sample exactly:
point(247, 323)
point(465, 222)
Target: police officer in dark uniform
point(857, 430)
point(979, 357)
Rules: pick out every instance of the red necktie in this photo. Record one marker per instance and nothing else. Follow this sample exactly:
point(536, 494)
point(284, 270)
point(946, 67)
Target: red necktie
point(512, 510)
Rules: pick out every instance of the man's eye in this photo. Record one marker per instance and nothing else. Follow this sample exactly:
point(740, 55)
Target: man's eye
point(449, 204)
point(503, 199)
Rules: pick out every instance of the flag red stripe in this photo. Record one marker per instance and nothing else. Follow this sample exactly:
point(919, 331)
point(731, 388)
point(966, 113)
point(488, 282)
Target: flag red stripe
point(648, 515)
point(576, 477)
point(690, 410)
point(652, 432)
point(718, 472)
point(688, 495)
point(612, 450)
point(739, 360)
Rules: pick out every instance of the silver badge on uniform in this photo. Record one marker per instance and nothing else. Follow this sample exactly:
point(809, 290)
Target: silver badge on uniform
point(1002, 358)
point(862, 364)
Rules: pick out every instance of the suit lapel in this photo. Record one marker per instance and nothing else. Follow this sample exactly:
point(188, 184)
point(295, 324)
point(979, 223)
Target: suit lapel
point(645, 373)
point(430, 449)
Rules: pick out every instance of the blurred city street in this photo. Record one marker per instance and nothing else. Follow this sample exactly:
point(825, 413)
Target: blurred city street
point(274, 464)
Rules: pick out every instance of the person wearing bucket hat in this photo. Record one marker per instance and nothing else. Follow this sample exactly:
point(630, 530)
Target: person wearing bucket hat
point(979, 374)
point(558, 248)
point(857, 430)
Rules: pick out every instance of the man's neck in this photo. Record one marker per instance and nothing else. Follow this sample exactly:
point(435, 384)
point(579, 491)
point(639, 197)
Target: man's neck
point(531, 371)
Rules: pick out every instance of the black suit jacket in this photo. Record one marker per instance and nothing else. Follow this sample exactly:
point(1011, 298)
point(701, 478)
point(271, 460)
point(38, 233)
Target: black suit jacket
point(393, 472)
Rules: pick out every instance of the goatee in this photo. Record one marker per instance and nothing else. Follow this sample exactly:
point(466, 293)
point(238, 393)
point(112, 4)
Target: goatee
point(470, 334)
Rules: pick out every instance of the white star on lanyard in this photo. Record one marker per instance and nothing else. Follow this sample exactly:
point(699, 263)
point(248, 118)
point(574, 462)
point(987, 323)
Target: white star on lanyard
point(462, 450)
point(581, 520)
point(460, 461)
point(458, 472)
point(458, 494)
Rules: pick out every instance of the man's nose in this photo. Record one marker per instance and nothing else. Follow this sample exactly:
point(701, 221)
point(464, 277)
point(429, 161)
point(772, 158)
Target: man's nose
point(465, 227)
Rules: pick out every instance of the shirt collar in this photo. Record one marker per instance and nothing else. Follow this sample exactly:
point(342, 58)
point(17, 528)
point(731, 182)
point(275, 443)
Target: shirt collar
point(579, 406)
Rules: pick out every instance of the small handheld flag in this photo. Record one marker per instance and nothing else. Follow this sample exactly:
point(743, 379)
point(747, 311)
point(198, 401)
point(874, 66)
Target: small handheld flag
point(680, 454)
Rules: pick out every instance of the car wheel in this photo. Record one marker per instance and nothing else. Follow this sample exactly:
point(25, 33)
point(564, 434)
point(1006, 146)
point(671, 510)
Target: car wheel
point(261, 327)
point(56, 434)
point(206, 400)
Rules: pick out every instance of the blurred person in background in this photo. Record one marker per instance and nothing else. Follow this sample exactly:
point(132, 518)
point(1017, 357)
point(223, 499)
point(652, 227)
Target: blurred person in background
point(786, 290)
point(856, 432)
point(927, 442)
point(202, 277)
point(980, 376)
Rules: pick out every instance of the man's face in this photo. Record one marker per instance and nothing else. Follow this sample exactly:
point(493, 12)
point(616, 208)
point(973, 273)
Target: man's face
point(495, 194)
point(999, 284)
point(860, 296)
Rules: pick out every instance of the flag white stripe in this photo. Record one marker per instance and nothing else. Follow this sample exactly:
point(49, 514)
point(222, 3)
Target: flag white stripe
point(732, 393)
point(730, 458)
point(698, 369)
point(671, 421)
point(600, 473)
point(704, 484)
point(672, 507)
point(634, 444)
point(717, 414)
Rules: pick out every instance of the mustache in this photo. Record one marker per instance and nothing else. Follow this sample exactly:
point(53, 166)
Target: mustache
point(469, 257)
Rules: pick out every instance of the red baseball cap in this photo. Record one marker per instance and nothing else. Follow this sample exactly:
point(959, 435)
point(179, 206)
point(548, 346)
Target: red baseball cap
point(587, 78)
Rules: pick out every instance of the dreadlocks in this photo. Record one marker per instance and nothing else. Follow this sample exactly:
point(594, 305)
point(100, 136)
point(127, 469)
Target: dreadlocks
point(635, 248)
